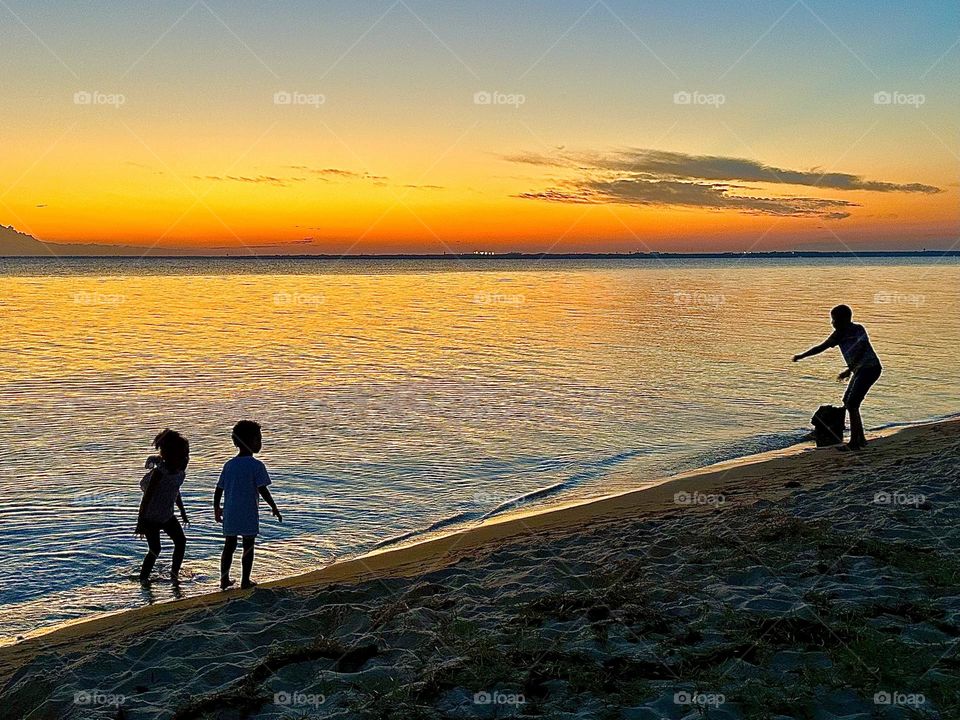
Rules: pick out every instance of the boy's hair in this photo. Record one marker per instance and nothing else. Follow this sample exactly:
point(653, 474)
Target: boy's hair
point(843, 313)
point(246, 433)
point(174, 449)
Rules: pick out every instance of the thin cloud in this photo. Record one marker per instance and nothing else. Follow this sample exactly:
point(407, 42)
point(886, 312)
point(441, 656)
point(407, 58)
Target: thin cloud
point(258, 180)
point(339, 173)
point(324, 174)
point(634, 191)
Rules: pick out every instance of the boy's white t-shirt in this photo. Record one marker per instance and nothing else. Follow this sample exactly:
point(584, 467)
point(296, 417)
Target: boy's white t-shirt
point(240, 481)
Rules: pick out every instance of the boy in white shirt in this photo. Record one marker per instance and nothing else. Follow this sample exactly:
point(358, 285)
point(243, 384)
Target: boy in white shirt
point(243, 481)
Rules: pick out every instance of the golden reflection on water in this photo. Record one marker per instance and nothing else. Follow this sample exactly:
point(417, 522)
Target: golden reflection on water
point(391, 400)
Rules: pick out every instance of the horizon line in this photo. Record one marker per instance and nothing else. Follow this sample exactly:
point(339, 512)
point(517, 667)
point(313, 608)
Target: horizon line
point(513, 255)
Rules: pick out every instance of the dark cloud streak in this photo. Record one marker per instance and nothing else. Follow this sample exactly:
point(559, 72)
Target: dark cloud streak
point(654, 177)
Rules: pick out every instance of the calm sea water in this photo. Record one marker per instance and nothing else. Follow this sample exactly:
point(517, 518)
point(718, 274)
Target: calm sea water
point(396, 396)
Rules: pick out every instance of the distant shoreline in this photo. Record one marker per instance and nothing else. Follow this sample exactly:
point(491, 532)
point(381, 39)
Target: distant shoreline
point(774, 255)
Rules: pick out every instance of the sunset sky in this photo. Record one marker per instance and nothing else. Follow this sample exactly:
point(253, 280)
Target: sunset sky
point(349, 127)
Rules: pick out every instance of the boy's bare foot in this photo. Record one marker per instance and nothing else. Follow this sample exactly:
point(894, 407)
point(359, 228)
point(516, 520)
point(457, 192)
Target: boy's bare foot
point(247, 585)
point(226, 584)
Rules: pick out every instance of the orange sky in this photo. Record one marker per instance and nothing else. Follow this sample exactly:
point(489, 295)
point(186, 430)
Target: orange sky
point(172, 134)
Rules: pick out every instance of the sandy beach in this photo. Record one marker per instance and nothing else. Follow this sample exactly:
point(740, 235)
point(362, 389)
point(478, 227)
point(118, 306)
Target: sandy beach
point(801, 584)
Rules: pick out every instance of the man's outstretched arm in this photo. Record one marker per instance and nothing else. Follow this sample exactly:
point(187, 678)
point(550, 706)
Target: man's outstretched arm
point(815, 350)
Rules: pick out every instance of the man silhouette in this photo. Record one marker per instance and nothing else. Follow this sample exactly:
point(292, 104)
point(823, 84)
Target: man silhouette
point(862, 363)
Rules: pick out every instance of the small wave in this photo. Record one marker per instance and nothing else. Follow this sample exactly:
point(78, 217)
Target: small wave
point(590, 470)
point(462, 517)
point(910, 423)
point(743, 447)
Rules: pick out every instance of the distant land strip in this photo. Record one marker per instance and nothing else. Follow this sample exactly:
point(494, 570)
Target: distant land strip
point(778, 254)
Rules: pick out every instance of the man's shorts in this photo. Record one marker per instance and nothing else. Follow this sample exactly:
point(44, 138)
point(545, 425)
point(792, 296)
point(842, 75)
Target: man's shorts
point(862, 380)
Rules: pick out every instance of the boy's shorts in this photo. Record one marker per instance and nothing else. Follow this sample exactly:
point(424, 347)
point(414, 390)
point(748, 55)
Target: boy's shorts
point(862, 380)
